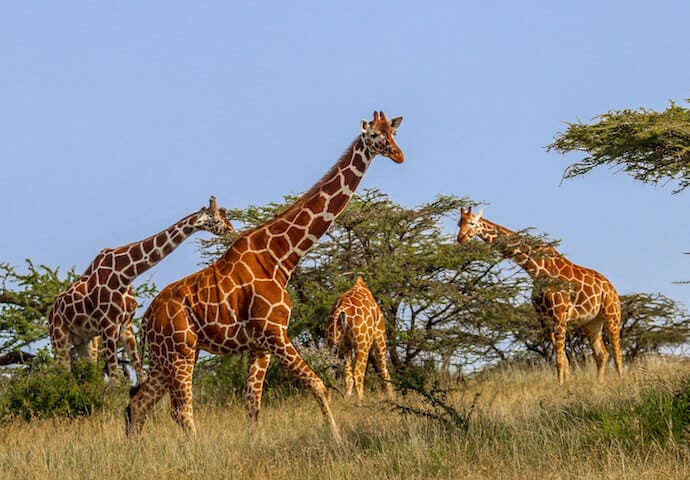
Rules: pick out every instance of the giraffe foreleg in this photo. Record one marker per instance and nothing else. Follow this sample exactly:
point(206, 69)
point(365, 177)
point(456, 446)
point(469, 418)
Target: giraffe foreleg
point(562, 365)
point(110, 336)
point(94, 344)
point(281, 346)
point(60, 339)
point(258, 364)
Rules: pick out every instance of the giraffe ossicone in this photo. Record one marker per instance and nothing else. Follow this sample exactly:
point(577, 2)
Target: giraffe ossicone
point(101, 301)
point(563, 293)
point(240, 302)
point(355, 327)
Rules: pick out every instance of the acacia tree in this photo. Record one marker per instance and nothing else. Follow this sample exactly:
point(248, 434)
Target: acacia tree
point(442, 302)
point(653, 147)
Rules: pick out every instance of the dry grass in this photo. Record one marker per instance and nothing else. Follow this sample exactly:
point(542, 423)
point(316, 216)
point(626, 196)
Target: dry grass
point(516, 432)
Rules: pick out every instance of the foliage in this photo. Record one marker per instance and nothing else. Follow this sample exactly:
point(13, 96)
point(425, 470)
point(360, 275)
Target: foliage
point(48, 390)
point(651, 322)
point(25, 300)
point(653, 147)
point(661, 416)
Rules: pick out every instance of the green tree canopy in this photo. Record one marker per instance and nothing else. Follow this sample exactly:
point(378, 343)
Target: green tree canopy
point(653, 147)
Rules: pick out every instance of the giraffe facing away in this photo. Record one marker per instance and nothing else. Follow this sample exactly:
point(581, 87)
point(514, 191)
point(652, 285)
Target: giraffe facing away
point(577, 295)
point(240, 302)
point(101, 301)
point(355, 326)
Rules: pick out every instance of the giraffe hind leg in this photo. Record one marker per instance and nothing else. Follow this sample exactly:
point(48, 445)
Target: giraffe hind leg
point(180, 385)
point(258, 364)
point(347, 371)
point(612, 325)
point(128, 338)
point(361, 358)
point(143, 398)
point(593, 331)
point(381, 366)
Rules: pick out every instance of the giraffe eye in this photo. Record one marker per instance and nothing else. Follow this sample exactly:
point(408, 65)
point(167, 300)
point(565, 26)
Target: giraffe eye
point(374, 135)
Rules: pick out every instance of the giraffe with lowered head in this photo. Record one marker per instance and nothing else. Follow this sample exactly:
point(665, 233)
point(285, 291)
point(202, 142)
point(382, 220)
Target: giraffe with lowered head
point(356, 326)
point(564, 293)
point(240, 303)
point(101, 301)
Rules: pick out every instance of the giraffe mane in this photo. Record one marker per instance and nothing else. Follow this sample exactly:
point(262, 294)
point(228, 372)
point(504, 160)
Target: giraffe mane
point(299, 204)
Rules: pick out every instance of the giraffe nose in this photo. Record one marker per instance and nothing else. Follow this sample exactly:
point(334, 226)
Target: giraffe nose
point(397, 155)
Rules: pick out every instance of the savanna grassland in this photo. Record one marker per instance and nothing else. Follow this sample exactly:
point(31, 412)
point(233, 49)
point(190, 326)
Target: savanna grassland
point(522, 426)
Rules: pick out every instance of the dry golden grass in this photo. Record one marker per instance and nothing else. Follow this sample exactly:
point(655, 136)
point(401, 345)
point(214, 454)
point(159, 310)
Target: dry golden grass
point(515, 433)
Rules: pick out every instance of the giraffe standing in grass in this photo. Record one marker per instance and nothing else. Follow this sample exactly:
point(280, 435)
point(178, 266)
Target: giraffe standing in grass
point(577, 295)
point(101, 301)
point(240, 303)
point(355, 326)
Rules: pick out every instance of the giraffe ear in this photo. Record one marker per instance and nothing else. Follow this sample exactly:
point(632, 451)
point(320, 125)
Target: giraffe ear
point(395, 123)
point(364, 125)
point(479, 214)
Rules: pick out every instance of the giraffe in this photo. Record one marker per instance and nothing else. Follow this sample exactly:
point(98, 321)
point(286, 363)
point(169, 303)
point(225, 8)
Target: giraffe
point(577, 295)
point(101, 301)
point(355, 326)
point(240, 303)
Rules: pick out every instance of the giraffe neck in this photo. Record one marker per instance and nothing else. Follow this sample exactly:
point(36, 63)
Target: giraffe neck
point(133, 259)
point(536, 260)
point(291, 234)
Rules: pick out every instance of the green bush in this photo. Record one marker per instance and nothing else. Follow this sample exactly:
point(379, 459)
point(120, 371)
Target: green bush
point(46, 389)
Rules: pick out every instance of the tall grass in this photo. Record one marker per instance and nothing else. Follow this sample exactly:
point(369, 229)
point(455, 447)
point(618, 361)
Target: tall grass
point(524, 426)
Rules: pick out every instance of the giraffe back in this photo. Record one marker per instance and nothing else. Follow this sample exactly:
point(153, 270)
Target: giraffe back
point(355, 320)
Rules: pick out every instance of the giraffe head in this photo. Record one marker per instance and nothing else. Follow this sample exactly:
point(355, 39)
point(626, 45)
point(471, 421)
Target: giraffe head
point(470, 224)
point(214, 219)
point(378, 134)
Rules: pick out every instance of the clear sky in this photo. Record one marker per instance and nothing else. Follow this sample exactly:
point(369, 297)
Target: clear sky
point(118, 118)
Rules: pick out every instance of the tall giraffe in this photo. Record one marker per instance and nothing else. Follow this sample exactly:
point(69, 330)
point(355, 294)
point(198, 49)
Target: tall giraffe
point(563, 292)
point(355, 326)
point(101, 301)
point(240, 302)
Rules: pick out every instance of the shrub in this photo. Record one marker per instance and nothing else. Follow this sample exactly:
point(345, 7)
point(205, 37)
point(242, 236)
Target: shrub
point(662, 416)
point(46, 389)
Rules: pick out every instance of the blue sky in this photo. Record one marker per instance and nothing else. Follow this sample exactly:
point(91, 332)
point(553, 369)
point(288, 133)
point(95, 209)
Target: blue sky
point(119, 118)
